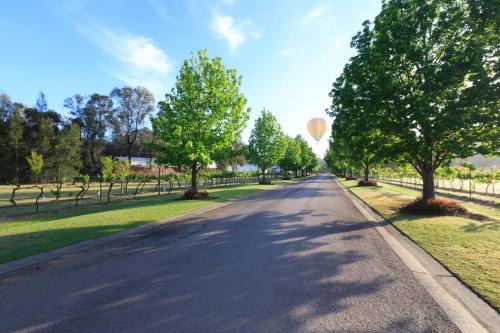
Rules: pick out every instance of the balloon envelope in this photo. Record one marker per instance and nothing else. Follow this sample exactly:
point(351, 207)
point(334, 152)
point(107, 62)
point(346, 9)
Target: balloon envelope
point(317, 128)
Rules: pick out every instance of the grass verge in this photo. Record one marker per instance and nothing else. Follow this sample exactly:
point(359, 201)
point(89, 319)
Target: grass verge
point(468, 248)
point(39, 233)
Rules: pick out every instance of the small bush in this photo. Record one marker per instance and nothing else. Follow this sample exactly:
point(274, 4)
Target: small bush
point(369, 182)
point(351, 178)
point(194, 195)
point(436, 206)
point(265, 182)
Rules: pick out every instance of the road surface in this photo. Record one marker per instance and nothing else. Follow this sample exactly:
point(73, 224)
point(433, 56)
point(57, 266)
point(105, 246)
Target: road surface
point(298, 259)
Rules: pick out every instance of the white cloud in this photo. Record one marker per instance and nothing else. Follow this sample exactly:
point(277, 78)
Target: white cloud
point(233, 33)
point(287, 53)
point(312, 14)
point(159, 9)
point(339, 42)
point(138, 61)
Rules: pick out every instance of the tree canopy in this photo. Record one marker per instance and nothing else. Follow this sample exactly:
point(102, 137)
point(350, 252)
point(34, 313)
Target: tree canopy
point(132, 106)
point(423, 86)
point(291, 160)
point(266, 144)
point(203, 114)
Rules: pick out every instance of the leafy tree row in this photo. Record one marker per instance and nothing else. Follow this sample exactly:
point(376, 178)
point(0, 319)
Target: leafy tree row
point(123, 111)
point(268, 147)
point(201, 120)
point(64, 147)
point(36, 139)
point(422, 89)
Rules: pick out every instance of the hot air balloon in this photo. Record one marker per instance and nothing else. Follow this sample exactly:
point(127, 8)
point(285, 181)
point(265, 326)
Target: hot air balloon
point(317, 128)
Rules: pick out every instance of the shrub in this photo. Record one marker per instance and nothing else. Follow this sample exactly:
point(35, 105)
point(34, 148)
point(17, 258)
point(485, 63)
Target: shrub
point(196, 194)
point(369, 182)
point(436, 206)
point(351, 178)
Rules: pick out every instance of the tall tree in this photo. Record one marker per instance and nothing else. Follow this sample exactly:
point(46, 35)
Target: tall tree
point(132, 106)
point(338, 157)
point(306, 155)
point(6, 107)
point(355, 101)
point(292, 157)
point(35, 162)
point(93, 114)
point(67, 158)
point(440, 86)
point(41, 102)
point(203, 114)
point(15, 134)
point(266, 143)
point(5, 155)
point(45, 142)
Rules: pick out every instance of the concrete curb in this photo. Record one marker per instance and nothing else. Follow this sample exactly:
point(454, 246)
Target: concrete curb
point(38, 260)
point(468, 311)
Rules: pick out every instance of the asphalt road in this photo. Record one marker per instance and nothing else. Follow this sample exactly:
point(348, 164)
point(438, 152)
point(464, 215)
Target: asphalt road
point(299, 259)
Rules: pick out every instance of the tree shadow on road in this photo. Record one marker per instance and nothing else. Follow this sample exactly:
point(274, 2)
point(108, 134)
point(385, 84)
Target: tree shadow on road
point(255, 272)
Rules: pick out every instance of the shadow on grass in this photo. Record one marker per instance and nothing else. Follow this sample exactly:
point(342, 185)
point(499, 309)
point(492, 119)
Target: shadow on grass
point(25, 244)
point(463, 196)
point(217, 196)
point(399, 217)
point(485, 226)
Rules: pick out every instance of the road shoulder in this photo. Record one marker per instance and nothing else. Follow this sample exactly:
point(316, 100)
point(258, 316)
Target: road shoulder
point(469, 312)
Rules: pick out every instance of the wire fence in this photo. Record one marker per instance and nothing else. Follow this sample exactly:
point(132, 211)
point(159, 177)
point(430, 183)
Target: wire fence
point(473, 189)
point(51, 196)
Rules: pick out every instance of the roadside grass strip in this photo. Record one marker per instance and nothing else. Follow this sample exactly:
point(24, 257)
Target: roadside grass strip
point(469, 248)
point(33, 234)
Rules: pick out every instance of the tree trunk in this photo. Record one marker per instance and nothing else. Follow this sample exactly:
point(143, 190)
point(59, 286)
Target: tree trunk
point(109, 191)
point(17, 168)
point(38, 198)
point(428, 191)
point(263, 175)
point(129, 153)
point(159, 180)
point(367, 172)
point(92, 157)
point(194, 177)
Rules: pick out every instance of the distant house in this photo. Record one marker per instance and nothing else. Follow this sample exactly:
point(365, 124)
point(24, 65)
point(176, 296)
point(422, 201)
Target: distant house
point(144, 162)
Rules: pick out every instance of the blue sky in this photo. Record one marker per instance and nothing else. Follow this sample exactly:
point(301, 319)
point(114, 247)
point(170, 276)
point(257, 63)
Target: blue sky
point(289, 52)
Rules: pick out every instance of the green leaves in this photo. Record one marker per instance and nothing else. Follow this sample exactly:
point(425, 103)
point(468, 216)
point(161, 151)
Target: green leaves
point(114, 170)
point(291, 160)
point(433, 50)
point(423, 87)
point(266, 144)
point(132, 106)
point(35, 162)
point(203, 114)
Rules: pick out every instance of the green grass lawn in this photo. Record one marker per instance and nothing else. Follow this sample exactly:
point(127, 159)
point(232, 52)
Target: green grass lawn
point(34, 234)
point(468, 248)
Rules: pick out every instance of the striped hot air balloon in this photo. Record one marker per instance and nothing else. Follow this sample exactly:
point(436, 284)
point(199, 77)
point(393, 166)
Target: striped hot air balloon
point(316, 128)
